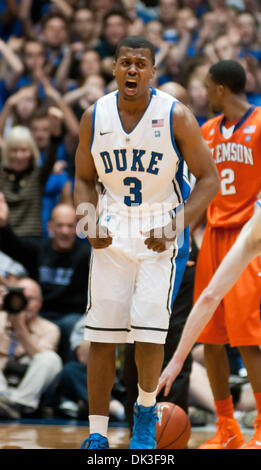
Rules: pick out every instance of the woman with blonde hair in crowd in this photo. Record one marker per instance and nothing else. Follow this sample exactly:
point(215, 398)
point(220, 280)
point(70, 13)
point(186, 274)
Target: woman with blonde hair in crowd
point(22, 179)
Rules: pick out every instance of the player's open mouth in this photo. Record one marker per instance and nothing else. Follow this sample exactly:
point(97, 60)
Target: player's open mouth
point(131, 86)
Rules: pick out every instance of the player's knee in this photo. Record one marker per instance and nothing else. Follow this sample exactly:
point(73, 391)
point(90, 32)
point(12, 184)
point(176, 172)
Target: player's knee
point(213, 349)
point(103, 348)
point(149, 348)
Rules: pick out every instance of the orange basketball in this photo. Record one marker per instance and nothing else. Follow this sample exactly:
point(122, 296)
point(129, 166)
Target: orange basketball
point(173, 427)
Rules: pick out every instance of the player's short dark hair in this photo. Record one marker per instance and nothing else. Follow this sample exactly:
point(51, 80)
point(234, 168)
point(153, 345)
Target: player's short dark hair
point(136, 42)
point(229, 73)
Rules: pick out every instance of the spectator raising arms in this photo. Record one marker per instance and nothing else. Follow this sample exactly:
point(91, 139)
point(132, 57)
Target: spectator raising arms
point(22, 179)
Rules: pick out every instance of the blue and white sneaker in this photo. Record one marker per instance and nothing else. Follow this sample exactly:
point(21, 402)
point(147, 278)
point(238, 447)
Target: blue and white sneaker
point(144, 428)
point(95, 441)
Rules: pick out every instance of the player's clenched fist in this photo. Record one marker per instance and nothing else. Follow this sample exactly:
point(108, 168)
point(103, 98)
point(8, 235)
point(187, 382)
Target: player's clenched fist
point(103, 238)
point(161, 238)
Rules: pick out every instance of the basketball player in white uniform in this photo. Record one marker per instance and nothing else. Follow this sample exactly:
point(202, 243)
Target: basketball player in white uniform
point(246, 247)
point(135, 141)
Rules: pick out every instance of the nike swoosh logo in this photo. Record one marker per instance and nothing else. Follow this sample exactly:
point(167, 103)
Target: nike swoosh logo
point(258, 443)
point(228, 441)
point(103, 133)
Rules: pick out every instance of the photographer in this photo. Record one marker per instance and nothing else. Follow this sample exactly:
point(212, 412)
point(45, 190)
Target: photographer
point(28, 361)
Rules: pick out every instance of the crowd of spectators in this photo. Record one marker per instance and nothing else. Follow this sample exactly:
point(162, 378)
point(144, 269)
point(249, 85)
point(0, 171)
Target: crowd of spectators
point(56, 59)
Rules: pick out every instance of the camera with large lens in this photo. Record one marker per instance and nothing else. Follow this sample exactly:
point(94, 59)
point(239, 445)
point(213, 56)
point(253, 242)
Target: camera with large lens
point(14, 300)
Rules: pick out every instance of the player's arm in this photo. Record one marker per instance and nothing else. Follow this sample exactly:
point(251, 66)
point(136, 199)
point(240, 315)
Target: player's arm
point(197, 155)
point(85, 188)
point(246, 247)
point(85, 172)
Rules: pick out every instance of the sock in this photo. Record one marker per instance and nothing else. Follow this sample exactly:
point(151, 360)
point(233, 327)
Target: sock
point(258, 403)
point(225, 407)
point(146, 398)
point(99, 424)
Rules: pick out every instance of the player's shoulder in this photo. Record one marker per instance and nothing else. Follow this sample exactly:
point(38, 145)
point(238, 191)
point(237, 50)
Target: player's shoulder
point(257, 109)
point(252, 124)
point(107, 98)
point(256, 115)
point(162, 95)
point(90, 113)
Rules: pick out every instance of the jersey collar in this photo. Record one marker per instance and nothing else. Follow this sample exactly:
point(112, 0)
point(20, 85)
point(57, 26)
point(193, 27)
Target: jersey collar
point(241, 121)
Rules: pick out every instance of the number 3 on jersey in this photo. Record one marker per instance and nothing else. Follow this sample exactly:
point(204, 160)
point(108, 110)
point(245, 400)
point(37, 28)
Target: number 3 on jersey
point(135, 198)
point(226, 186)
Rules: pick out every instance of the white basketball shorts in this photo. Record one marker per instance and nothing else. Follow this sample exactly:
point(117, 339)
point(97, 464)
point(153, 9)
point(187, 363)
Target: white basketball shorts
point(130, 293)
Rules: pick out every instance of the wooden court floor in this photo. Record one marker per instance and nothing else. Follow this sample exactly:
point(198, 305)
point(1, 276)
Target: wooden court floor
point(69, 435)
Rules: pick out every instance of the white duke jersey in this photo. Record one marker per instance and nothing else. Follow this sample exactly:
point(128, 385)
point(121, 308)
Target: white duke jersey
point(141, 168)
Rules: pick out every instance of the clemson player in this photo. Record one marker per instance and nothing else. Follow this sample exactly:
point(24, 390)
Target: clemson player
point(234, 138)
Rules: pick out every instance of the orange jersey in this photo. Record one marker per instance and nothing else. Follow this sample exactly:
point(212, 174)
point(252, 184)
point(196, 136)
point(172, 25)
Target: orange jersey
point(238, 161)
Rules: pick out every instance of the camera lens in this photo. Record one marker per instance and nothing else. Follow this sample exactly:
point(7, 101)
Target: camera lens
point(14, 301)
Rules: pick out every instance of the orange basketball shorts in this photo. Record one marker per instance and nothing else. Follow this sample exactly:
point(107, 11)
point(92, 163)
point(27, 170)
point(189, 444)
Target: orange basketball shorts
point(237, 318)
